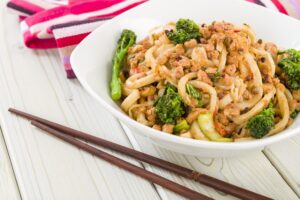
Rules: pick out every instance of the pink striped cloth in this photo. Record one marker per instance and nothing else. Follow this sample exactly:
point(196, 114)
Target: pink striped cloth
point(63, 24)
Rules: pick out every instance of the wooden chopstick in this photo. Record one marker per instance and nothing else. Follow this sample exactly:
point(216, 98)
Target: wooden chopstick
point(170, 185)
point(185, 172)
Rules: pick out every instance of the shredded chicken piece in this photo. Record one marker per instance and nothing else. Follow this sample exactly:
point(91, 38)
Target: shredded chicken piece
point(226, 80)
point(272, 49)
point(179, 49)
point(267, 87)
point(230, 69)
point(168, 128)
point(292, 104)
point(157, 127)
point(148, 91)
point(186, 135)
point(230, 128)
point(232, 110)
point(162, 59)
point(247, 95)
point(202, 76)
point(194, 114)
point(179, 72)
point(180, 61)
point(190, 44)
point(150, 115)
point(296, 94)
point(220, 128)
point(223, 119)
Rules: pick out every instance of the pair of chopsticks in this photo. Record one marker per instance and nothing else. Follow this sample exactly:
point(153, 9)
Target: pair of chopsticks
point(68, 135)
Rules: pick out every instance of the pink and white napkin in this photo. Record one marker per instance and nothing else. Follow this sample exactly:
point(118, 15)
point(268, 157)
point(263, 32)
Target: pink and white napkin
point(63, 24)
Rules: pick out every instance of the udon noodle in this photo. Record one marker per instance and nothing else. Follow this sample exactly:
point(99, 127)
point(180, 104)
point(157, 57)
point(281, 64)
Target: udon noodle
point(233, 70)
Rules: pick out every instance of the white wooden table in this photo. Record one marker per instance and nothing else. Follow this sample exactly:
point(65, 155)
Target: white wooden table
point(37, 166)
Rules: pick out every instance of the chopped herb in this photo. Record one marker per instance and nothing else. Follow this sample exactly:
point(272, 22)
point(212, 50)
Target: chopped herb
point(217, 77)
point(195, 94)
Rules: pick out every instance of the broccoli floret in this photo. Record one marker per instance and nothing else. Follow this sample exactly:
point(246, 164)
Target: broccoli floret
point(291, 68)
point(182, 125)
point(186, 30)
point(195, 94)
point(169, 107)
point(294, 114)
point(126, 40)
point(261, 124)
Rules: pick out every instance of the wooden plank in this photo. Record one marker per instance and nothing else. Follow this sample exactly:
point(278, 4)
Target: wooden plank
point(285, 157)
point(253, 171)
point(45, 167)
point(8, 186)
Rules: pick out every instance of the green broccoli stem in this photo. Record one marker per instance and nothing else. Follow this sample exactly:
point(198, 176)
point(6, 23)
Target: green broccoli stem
point(115, 84)
point(116, 91)
point(195, 94)
point(182, 125)
point(126, 40)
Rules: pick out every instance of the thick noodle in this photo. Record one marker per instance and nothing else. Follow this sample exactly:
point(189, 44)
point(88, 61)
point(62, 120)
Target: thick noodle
point(263, 103)
point(149, 58)
point(284, 110)
point(269, 60)
point(196, 132)
point(130, 100)
point(244, 71)
point(130, 110)
point(222, 61)
point(257, 83)
point(164, 50)
point(165, 73)
point(246, 29)
point(135, 83)
point(226, 100)
point(142, 119)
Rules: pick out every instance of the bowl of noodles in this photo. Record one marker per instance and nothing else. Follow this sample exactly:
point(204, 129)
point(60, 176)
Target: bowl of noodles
point(200, 81)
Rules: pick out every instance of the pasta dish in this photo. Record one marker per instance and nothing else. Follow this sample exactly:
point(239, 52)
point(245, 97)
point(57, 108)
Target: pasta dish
point(215, 82)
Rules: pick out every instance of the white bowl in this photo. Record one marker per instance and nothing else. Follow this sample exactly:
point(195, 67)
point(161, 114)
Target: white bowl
point(92, 60)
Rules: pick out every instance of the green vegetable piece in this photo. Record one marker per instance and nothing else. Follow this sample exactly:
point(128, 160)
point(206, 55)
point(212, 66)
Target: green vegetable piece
point(186, 30)
point(169, 107)
point(291, 68)
point(182, 125)
point(261, 124)
point(217, 77)
point(195, 94)
point(206, 124)
point(126, 40)
point(294, 114)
